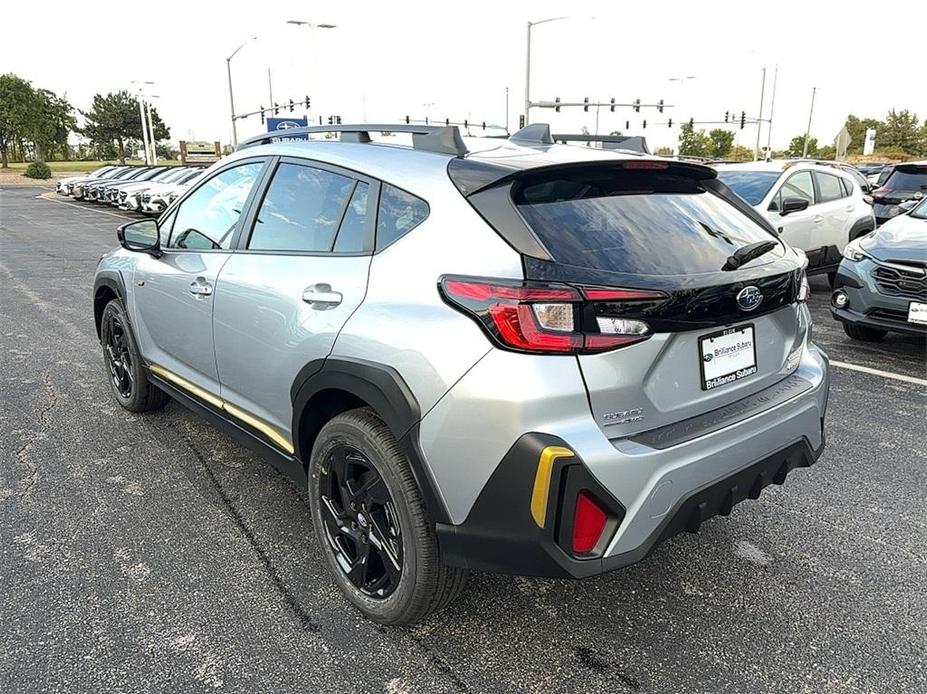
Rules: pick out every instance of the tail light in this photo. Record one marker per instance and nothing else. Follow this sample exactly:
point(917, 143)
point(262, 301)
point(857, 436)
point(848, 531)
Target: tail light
point(547, 318)
point(878, 192)
point(589, 521)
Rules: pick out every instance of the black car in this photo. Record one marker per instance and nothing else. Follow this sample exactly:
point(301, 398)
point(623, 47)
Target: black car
point(904, 182)
point(870, 168)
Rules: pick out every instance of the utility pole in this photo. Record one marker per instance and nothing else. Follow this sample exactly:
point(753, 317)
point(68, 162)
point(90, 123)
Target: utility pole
point(151, 137)
point(270, 88)
point(141, 115)
point(528, 76)
point(772, 106)
point(814, 90)
point(759, 120)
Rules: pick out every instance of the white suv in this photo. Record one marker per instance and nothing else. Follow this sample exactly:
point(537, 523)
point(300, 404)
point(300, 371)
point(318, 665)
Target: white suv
point(815, 206)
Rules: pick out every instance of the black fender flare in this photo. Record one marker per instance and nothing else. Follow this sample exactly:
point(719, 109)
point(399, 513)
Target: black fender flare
point(383, 388)
point(108, 279)
point(860, 227)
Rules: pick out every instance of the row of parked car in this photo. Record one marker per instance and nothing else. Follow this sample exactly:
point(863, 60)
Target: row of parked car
point(146, 189)
point(868, 236)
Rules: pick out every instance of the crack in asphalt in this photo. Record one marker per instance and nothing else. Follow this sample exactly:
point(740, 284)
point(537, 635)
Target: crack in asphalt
point(34, 435)
point(267, 565)
point(594, 661)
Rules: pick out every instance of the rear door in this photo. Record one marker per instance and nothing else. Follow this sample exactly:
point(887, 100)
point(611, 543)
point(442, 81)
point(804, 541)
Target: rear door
point(652, 231)
point(834, 207)
point(300, 271)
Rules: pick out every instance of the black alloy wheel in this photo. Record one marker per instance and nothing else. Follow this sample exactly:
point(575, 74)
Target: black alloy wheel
point(361, 524)
point(119, 355)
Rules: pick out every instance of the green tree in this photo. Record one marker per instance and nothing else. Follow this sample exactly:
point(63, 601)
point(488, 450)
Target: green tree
point(900, 132)
point(721, 142)
point(692, 143)
point(663, 151)
point(53, 120)
point(857, 128)
point(16, 105)
point(115, 118)
point(797, 146)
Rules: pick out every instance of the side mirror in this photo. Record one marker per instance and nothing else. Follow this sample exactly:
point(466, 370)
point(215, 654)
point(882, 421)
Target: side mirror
point(793, 204)
point(141, 236)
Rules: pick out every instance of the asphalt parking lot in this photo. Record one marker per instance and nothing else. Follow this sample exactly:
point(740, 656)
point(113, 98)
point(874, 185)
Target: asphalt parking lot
point(152, 553)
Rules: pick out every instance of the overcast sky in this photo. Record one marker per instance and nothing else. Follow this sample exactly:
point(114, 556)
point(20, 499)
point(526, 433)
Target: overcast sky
point(388, 59)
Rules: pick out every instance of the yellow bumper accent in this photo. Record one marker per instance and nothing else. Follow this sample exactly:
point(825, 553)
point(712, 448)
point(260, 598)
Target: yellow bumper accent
point(541, 490)
point(279, 440)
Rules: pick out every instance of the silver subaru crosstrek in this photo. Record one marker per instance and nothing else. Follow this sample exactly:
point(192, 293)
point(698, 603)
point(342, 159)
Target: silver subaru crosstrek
point(495, 354)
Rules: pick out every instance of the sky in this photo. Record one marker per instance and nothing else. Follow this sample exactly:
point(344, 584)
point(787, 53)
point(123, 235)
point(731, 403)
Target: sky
point(385, 60)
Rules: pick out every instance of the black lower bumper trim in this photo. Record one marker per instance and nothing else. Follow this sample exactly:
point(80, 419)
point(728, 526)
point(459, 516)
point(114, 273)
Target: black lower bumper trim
point(878, 322)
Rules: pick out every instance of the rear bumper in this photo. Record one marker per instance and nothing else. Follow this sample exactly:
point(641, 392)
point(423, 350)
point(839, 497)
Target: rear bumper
point(652, 487)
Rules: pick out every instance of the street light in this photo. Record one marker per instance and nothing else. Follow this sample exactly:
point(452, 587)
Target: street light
point(301, 23)
point(528, 63)
point(141, 113)
point(228, 67)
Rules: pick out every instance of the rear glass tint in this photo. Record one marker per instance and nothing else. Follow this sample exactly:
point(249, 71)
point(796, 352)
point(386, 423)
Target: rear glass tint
point(908, 178)
point(752, 186)
point(635, 222)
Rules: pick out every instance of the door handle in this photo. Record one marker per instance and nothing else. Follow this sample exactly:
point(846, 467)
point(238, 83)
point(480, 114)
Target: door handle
point(322, 296)
point(818, 219)
point(198, 288)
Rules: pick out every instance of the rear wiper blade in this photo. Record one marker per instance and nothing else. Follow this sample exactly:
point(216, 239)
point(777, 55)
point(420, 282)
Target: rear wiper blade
point(749, 252)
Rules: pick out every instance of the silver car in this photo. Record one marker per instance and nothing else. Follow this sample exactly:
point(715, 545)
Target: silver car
point(505, 355)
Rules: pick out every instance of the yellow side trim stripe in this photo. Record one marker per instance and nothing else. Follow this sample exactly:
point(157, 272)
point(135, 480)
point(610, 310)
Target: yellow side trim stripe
point(541, 491)
point(281, 441)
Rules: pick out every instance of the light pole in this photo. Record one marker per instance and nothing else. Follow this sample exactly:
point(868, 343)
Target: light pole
point(310, 25)
point(228, 68)
point(141, 112)
point(682, 87)
point(759, 118)
point(528, 63)
point(151, 134)
point(772, 106)
point(804, 153)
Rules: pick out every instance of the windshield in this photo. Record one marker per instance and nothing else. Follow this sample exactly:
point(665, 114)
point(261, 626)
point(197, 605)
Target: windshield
point(920, 212)
point(908, 179)
point(752, 186)
point(635, 222)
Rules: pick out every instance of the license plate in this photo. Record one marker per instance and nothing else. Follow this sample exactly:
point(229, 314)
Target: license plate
point(727, 356)
point(917, 313)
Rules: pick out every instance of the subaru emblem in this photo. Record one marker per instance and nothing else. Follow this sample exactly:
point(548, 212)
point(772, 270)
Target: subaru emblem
point(749, 298)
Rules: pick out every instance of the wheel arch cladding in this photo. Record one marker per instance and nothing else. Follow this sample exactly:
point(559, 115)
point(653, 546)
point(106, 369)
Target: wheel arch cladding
point(326, 388)
point(106, 287)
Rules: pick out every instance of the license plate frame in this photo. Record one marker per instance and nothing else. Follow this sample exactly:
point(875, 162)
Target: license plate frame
point(919, 308)
point(739, 368)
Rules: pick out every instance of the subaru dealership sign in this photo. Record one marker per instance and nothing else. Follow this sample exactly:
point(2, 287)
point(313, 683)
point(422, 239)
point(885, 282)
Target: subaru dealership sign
point(281, 125)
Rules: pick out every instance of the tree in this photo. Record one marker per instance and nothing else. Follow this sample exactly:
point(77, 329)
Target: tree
point(52, 123)
point(721, 142)
point(16, 103)
point(797, 146)
point(740, 153)
point(900, 132)
point(693, 144)
point(857, 128)
point(663, 151)
point(115, 118)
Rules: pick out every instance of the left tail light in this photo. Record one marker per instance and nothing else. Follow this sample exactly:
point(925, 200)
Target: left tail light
point(547, 318)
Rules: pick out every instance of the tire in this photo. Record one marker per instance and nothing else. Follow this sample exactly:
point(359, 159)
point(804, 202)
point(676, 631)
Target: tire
point(424, 585)
point(122, 364)
point(861, 332)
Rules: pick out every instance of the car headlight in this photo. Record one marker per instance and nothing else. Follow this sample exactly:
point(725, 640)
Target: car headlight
point(853, 252)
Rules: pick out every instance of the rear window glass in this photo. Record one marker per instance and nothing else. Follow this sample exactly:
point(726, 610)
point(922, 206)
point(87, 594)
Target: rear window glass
point(752, 186)
point(635, 222)
point(908, 179)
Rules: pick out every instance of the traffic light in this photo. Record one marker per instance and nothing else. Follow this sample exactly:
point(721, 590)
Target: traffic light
point(669, 123)
point(645, 124)
point(262, 115)
point(557, 104)
point(586, 103)
point(291, 106)
point(743, 119)
point(307, 102)
point(727, 115)
point(331, 120)
point(521, 121)
point(276, 108)
point(660, 106)
point(337, 120)
point(691, 122)
point(637, 105)
point(627, 125)
point(407, 120)
point(612, 107)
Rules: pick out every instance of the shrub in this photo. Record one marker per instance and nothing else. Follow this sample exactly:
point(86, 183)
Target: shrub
point(37, 169)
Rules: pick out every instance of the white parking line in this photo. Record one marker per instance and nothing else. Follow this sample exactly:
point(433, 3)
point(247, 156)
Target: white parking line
point(80, 207)
point(877, 372)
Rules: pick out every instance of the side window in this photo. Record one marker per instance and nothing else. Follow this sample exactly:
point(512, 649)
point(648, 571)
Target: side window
point(829, 187)
point(352, 234)
point(399, 213)
point(301, 210)
point(847, 187)
point(206, 220)
point(799, 185)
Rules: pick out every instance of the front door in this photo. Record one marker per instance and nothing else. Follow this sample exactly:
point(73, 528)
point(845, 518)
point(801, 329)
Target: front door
point(174, 294)
point(798, 228)
point(283, 298)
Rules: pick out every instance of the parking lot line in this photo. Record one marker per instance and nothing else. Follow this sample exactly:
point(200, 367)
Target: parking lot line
point(80, 207)
point(878, 372)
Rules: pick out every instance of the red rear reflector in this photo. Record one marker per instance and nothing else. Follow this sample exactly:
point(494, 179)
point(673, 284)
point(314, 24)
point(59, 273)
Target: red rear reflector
point(649, 165)
point(588, 523)
point(610, 294)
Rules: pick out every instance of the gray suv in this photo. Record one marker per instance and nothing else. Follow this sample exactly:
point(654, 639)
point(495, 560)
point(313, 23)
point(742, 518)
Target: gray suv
point(494, 354)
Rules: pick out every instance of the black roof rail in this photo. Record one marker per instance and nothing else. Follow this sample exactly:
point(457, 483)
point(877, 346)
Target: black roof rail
point(429, 138)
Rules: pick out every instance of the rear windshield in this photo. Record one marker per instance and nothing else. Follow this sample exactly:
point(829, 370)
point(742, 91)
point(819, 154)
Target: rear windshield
point(908, 179)
point(639, 222)
point(752, 186)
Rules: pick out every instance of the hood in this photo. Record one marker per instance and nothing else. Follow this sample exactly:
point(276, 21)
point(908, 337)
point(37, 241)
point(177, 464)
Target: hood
point(901, 238)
